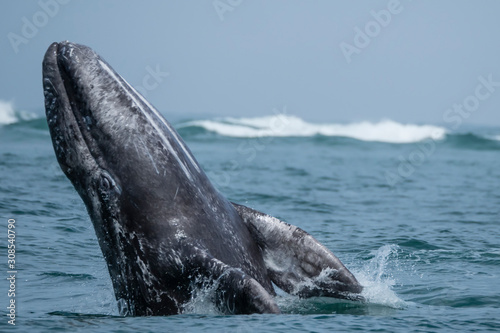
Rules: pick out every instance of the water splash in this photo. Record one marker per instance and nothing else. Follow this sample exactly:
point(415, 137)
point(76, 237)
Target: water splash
point(378, 280)
point(375, 276)
point(203, 297)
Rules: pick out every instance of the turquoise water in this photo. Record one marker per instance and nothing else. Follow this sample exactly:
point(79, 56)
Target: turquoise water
point(417, 222)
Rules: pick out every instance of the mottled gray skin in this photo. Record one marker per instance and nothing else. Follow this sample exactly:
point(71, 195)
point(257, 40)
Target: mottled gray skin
point(163, 228)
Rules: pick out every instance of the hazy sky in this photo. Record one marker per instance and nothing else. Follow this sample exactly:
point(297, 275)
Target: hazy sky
point(325, 61)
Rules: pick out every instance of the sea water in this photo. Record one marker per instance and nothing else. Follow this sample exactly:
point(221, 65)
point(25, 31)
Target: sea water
point(413, 210)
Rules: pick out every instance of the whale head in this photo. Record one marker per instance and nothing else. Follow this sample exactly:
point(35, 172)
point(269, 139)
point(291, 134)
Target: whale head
point(125, 160)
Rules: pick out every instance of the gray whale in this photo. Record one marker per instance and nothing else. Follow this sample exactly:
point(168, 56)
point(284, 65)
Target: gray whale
point(163, 228)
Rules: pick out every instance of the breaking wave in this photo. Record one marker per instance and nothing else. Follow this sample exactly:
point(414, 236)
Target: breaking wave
point(292, 126)
point(8, 115)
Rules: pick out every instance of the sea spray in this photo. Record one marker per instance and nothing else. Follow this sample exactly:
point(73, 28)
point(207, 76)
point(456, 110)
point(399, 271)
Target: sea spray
point(378, 280)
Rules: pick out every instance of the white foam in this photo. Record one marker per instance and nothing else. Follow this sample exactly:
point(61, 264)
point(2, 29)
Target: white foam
point(8, 115)
point(291, 126)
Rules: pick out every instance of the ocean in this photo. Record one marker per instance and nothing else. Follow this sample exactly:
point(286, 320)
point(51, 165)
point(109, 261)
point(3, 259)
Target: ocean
point(412, 210)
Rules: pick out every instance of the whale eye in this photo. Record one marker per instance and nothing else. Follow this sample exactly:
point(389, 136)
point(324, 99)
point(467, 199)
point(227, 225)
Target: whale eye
point(107, 183)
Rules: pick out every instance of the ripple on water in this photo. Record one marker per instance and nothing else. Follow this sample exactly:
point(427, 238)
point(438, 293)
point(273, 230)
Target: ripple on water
point(65, 277)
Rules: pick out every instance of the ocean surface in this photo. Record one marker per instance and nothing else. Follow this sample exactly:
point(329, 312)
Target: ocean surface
point(412, 210)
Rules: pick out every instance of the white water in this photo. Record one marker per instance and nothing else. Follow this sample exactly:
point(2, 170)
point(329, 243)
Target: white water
point(376, 277)
point(8, 115)
point(377, 280)
point(292, 126)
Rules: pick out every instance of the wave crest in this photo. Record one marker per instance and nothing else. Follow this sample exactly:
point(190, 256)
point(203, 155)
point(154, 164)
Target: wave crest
point(292, 126)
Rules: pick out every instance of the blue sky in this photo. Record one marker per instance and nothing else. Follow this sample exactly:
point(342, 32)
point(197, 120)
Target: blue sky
point(325, 61)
